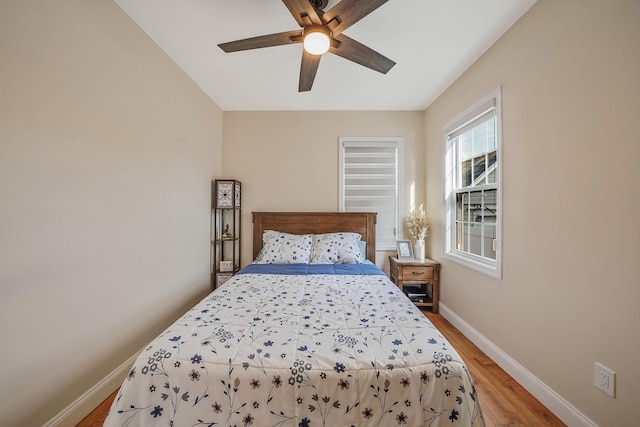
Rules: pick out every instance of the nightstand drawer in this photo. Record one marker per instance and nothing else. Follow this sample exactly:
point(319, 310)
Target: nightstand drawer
point(410, 272)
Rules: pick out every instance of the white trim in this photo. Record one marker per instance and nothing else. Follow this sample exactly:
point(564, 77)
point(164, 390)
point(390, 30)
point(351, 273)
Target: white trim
point(490, 268)
point(83, 405)
point(562, 409)
point(467, 260)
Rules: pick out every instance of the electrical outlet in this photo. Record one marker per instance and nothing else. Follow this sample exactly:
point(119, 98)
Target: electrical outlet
point(605, 379)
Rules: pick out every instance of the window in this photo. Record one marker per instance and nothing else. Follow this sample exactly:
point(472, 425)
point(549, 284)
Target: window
point(369, 182)
point(473, 211)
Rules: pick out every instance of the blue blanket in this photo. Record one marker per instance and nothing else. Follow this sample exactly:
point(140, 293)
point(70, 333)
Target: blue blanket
point(299, 269)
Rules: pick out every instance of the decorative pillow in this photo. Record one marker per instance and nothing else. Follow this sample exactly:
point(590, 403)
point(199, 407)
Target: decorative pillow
point(285, 248)
point(336, 248)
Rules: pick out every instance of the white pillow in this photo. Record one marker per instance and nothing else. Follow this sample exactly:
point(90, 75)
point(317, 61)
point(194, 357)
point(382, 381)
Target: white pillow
point(336, 248)
point(285, 248)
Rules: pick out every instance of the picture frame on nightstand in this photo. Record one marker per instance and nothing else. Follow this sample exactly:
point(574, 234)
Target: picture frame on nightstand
point(405, 251)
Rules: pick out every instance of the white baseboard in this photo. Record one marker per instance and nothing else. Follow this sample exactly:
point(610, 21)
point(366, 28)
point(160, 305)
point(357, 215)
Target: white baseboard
point(562, 409)
point(93, 397)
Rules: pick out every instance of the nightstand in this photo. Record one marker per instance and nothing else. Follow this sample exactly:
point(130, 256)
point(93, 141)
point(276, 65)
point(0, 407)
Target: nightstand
point(419, 280)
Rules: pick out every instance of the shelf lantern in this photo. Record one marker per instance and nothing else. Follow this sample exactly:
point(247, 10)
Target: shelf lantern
point(227, 194)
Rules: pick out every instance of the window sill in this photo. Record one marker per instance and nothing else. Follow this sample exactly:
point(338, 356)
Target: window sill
point(488, 268)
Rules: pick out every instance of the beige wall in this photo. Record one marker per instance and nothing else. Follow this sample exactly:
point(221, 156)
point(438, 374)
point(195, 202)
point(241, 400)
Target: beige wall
point(288, 161)
point(570, 71)
point(107, 150)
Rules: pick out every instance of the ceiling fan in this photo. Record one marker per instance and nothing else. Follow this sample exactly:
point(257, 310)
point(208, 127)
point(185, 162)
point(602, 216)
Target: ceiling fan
point(321, 32)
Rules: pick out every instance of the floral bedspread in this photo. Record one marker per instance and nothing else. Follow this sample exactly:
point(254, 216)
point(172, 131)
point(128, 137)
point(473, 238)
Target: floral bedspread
point(299, 350)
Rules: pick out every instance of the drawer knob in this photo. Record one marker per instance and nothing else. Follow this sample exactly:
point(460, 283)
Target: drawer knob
point(418, 272)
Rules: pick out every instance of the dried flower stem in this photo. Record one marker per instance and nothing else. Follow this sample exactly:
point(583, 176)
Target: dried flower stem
point(418, 223)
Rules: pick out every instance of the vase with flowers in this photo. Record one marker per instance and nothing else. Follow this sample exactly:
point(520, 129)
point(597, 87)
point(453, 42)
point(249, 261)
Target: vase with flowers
point(418, 225)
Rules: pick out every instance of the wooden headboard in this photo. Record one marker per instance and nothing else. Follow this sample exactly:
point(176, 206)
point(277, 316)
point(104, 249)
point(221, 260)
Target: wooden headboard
point(316, 222)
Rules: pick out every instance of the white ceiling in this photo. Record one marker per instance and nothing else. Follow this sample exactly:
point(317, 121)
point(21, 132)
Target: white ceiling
point(432, 42)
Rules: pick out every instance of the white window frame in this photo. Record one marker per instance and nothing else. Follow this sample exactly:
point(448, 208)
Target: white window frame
point(398, 143)
point(487, 266)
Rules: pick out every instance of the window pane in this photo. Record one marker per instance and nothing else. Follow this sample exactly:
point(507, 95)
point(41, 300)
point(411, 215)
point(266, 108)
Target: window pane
point(479, 140)
point(477, 155)
point(464, 207)
point(475, 239)
point(475, 205)
point(490, 128)
point(462, 233)
point(464, 146)
point(490, 206)
point(492, 168)
point(465, 169)
point(479, 169)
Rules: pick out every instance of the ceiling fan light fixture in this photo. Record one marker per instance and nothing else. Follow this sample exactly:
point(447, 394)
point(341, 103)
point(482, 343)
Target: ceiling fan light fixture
point(322, 32)
point(317, 39)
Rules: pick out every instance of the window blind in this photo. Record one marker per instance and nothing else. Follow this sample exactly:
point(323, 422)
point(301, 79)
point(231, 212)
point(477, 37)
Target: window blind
point(370, 184)
point(479, 115)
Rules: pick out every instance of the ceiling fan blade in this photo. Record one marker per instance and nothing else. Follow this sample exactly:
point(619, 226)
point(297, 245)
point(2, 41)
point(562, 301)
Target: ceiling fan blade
point(355, 51)
point(269, 40)
point(308, 70)
point(348, 12)
point(303, 12)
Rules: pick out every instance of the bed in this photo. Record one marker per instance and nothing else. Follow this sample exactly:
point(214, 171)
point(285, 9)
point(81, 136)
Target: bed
point(323, 342)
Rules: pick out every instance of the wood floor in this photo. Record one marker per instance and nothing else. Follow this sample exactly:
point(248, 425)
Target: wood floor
point(503, 401)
